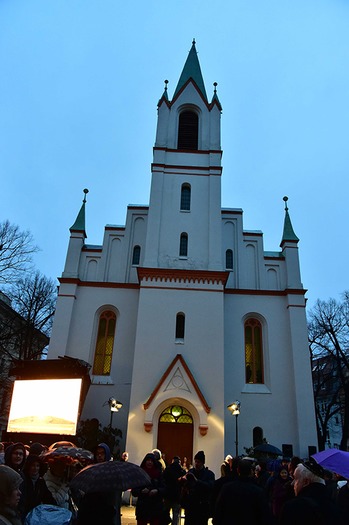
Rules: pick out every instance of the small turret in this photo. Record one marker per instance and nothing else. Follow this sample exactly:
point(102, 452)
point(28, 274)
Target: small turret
point(76, 242)
point(289, 245)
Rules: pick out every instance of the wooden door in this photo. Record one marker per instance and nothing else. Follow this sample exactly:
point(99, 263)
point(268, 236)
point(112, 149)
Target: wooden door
point(176, 439)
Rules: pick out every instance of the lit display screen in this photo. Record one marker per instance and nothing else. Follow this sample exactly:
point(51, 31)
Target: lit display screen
point(45, 406)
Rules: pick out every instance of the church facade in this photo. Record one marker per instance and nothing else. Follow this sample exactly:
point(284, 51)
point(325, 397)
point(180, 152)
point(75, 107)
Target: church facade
point(181, 312)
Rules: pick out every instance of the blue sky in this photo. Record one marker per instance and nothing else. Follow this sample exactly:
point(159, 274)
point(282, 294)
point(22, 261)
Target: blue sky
point(79, 85)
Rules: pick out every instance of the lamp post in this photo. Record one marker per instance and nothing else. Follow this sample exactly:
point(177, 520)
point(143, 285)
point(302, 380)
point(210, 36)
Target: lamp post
point(114, 406)
point(234, 409)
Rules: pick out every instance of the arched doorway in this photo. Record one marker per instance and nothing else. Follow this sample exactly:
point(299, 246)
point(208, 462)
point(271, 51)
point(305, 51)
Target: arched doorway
point(175, 433)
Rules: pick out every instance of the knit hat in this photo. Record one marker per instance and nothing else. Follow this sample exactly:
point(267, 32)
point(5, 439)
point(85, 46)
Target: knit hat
point(200, 456)
point(10, 480)
point(37, 449)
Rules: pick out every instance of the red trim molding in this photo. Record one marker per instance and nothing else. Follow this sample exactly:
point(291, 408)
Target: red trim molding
point(169, 275)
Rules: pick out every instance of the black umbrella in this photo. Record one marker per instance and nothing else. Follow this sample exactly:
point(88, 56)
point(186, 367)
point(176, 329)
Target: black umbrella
point(68, 455)
point(266, 448)
point(109, 476)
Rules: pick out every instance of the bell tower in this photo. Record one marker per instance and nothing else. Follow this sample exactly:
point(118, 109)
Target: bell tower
point(184, 221)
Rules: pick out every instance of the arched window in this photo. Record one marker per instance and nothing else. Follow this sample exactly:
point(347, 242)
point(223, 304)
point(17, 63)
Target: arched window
point(185, 197)
point(180, 325)
point(176, 414)
point(229, 259)
point(136, 255)
point(253, 351)
point(257, 436)
point(104, 344)
point(183, 245)
point(188, 130)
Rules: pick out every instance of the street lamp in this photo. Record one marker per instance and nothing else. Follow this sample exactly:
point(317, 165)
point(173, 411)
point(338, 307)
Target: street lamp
point(234, 409)
point(114, 406)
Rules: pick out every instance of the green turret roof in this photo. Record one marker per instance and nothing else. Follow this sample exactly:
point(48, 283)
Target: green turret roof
point(192, 71)
point(79, 224)
point(288, 233)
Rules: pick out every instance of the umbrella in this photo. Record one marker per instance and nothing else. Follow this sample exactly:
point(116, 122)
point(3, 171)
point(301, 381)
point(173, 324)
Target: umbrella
point(59, 444)
point(109, 476)
point(68, 455)
point(335, 460)
point(266, 448)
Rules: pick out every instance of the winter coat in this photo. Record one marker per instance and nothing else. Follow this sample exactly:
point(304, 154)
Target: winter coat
point(172, 473)
point(242, 502)
point(148, 506)
point(196, 496)
point(34, 493)
point(311, 505)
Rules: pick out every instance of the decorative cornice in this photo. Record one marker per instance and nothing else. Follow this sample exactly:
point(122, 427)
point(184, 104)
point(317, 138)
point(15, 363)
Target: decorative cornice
point(189, 276)
point(287, 291)
point(197, 151)
point(178, 358)
point(96, 284)
point(179, 167)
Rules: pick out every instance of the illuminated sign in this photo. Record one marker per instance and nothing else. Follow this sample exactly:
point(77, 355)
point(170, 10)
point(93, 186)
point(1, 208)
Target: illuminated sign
point(45, 406)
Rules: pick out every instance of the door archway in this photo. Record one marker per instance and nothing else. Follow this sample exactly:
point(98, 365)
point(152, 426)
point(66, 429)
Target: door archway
point(175, 433)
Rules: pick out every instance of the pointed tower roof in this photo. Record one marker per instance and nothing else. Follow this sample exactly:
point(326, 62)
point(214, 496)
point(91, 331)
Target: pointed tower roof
point(192, 71)
point(215, 99)
point(288, 233)
point(164, 96)
point(79, 224)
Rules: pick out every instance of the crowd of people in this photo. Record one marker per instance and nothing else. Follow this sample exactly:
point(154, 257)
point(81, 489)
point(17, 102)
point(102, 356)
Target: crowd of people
point(248, 491)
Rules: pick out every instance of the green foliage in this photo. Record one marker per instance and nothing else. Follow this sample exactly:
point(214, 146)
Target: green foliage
point(90, 432)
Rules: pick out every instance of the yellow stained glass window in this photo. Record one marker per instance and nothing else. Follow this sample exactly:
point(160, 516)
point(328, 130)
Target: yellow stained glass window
point(104, 344)
point(253, 351)
point(176, 414)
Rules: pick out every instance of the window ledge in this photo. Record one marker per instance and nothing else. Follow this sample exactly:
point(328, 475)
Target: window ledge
point(255, 389)
point(102, 380)
point(179, 342)
point(185, 211)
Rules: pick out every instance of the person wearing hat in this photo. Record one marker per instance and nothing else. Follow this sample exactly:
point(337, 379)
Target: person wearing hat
point(15, 456)
point(34, 488)
point(149, 506)
point(312, 503)
point(196, 492)
point(10, 494)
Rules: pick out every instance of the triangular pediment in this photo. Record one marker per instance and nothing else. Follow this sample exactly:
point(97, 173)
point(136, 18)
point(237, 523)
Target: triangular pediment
point(178, 381)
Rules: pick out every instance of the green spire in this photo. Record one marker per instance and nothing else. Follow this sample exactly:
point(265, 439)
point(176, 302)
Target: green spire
point(288, 233)
point(79, 224)
point(192, 71)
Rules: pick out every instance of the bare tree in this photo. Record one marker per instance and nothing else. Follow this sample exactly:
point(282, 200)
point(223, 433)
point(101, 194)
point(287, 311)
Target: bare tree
point(16, 250)
point(329, 342)
point(33, 298)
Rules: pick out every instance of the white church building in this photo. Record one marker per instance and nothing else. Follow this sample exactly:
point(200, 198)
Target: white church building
point(181, 312)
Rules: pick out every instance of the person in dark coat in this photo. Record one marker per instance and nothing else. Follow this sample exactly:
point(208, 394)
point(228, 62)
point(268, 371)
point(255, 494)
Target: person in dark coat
point(226, 477)
point(99, 507)
point(34, 489)
point(172, 475)
point(312, 503)
point(10, 481)
point(15, 456)
point(278, 492)
point(241, 501)
point(197, 492)
point(149, 506)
